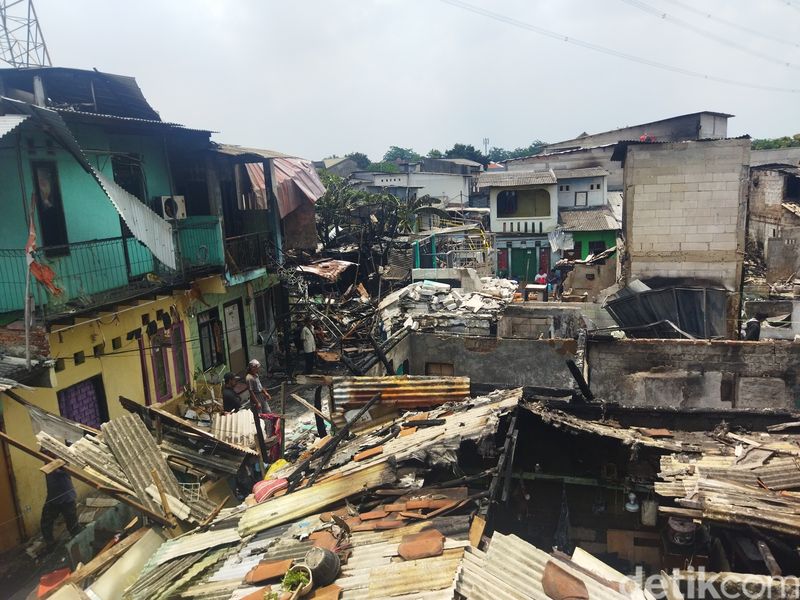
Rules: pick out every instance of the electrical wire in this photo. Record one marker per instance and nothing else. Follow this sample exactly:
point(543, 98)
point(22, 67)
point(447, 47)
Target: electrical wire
point(707, 34)
point(611, 52)
point(733, 24)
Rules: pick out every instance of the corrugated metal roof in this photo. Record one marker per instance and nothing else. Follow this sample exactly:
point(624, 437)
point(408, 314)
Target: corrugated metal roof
point(577, 173)
point(512, 569)
point(137, 453)
point(516, 178)
point(235, 428)
point(403, 391)
point(9, 123)
point(253, 154)
point(595, 218)
point(195, 542)
point(330, 269)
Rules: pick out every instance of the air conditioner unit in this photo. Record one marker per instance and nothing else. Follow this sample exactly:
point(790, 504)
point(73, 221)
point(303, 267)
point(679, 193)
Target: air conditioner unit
point(173, 207)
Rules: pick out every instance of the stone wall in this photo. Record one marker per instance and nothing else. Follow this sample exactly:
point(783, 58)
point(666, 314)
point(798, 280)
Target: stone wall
point(766, 195)
point(696, 374)
point(685, 208)
point(783, 256)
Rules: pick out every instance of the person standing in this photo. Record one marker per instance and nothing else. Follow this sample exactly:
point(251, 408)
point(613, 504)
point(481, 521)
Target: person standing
point(60, 500)
point(752, 329)
point(309, 344)
point(259, 397)
point(231, 401)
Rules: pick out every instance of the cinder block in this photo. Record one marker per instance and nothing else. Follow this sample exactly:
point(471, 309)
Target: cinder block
point(694, 246)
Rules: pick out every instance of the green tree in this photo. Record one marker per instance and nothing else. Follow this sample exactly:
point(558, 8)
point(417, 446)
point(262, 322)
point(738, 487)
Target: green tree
point(467, 151)
point(435, 153)
point(384, 167)
point(775, 143)
point(403, 154)
point(361, 159)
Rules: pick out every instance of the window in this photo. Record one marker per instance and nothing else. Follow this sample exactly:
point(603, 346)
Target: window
point(581, 198)
point(440, 369)
point(50, 208)
point(506, 203)
point(179, 357)
point(596, 247)
point(84, 402)
point(212, 348)
point(160, 367)
point(523, 203)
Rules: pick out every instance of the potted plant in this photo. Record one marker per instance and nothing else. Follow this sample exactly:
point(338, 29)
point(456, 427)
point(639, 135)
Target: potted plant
point(298, 581)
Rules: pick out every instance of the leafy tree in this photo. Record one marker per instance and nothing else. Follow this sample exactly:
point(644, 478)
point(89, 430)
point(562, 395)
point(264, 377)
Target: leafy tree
point(395, 153)
point(361, 159)
point(498, 154)
point(435, 154)
point(775, 143)
point(384, 167)
point(467, 151)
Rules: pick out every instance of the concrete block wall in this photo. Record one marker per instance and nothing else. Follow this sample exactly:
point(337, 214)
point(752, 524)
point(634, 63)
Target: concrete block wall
point(696, 374)
point(494, 361)
point(684, 210)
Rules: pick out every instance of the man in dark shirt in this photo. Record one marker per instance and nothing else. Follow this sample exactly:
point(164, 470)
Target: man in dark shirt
point(752, 329)
point(60, 500)
point(231, 401)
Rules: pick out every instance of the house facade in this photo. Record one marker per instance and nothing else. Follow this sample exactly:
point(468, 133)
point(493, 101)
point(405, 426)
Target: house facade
point(523, 210)
point(155, 260)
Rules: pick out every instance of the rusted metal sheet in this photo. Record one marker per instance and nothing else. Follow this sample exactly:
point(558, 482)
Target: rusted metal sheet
point(403, 391)
point(327, 269)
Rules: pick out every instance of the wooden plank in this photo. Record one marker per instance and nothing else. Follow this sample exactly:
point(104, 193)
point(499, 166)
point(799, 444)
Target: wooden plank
point(310, 407)
point(476, 530)
point(101, 561)
point(52, 466)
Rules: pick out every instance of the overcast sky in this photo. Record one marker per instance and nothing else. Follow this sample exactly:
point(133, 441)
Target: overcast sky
point(323, 77)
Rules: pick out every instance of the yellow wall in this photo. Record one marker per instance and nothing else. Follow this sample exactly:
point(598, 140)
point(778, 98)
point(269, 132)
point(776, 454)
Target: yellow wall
point(121, 373)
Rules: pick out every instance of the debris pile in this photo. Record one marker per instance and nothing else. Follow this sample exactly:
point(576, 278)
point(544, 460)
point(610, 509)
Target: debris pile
point(431, 305)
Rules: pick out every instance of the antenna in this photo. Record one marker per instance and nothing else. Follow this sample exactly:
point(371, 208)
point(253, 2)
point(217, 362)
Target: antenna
point(21, 39)
point(486, 146)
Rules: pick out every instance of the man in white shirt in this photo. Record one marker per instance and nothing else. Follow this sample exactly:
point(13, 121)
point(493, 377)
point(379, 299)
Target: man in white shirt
point(259, 397)
point(309, 344)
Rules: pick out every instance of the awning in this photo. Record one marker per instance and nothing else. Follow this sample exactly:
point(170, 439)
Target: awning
point(294, 181)
point(150, 229)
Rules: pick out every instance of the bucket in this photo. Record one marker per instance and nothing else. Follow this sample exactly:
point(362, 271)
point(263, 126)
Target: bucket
point(324, 565)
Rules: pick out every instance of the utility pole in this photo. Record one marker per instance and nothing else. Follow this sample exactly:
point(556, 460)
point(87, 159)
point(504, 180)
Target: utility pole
point(21, 39)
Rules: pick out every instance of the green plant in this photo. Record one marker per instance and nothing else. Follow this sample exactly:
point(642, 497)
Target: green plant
point(270, 595)
point(295, 578)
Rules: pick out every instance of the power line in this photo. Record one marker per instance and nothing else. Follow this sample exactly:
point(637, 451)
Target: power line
point(610, 51)
point(707, 34)
point(733, 24)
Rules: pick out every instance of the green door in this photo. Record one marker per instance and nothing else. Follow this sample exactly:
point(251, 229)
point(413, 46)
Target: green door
point(523, 264)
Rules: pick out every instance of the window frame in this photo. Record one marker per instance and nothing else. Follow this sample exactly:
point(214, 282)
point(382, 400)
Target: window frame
point(155, 352)
point(51, 247)
point(180, 355)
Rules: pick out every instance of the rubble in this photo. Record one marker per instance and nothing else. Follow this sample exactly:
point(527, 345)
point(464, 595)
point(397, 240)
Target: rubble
point(431, 305)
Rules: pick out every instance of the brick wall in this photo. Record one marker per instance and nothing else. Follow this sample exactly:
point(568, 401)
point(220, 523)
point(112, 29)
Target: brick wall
point(81, 403)
point(684, 210)
point(12, 340)
point(696, 374)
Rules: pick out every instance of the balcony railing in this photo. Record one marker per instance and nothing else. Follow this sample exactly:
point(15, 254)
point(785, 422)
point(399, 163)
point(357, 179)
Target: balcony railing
point(93, 272)
point(248, 251)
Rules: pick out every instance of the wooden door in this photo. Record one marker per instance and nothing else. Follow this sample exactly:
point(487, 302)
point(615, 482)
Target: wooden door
point(235, 336)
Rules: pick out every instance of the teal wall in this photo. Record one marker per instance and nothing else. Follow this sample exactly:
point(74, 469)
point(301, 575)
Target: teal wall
point(88, 213)
point(609, 237)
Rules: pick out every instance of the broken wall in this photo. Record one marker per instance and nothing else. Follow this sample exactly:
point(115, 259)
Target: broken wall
point(493, 361)
point(685, 208)
point(591, 279)
point(535, 320)
point(783, 256)
point(696, 374)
